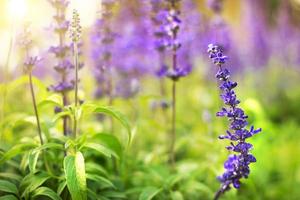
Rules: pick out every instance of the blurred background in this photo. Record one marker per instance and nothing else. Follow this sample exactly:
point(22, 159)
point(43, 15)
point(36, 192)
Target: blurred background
point(262, 40)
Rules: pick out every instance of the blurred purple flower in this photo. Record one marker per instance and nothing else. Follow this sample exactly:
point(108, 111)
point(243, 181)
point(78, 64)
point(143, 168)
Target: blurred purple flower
point(102, 39)
point(284, 36)
point(257, 52)
point(215, 5)
point(134, 47)
point(220, 33)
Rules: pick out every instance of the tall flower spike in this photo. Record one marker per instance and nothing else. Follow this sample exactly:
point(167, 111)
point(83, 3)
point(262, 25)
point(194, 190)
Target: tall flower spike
point(62, 53)
point(75, 30)
point(237, 165)
point(75, 36)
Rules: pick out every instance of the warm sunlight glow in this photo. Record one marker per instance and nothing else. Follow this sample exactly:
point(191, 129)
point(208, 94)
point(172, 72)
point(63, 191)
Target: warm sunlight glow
point(17, 9)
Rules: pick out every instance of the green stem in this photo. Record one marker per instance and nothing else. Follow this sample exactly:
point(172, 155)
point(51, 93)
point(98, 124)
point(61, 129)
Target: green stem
point(35, 108)
point(173, 130)
point(76, 87)
point(110, 97)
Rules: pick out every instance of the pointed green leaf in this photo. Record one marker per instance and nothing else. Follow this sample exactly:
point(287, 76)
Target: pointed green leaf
point(32, 181)
point(32, 159)
point(49, 145)
point(61, 115)
point(45, 191)
point(101, 149)
point(114, 195)
point(149, 192)
point(61, 187)
point(117, 115)
point(93, 108)
point(15, 150)
point(110, 141)
point(102, 181)
point(53, 99)
point(8, 197)
point(75, 176)
point(94, 168)
point(11, 176)
point(6, 186)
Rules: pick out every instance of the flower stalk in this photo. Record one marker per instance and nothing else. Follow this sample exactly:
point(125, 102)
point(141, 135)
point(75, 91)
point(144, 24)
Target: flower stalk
point(75, 36)
point(61, 52)
point(29, 63)
point(237, 164)
point(35, 108)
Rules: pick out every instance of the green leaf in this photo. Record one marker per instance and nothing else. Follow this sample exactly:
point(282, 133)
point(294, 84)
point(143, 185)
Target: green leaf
point(75, 175)
point(149, 192)
point(94, 168)
point(61, 187)
point(34, 154)
point(24, 162)
point(61, 115)
point(49, 146)
point(101, 149)
point(15, 150)
point(114, 195)
point(102, 181)
point(53, 99)
point(117, 115)
point(8, 197)
point(6, 186)
point(11, 176)
point(45, 191)
point(172, 180)
point(92, 108)
point(94, 196)
point(32, 181)
point(110, 141)
point(32, 159)
point(177, 195)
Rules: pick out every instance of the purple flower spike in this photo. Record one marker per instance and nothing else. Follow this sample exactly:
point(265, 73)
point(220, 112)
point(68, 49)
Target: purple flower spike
point(237, 165)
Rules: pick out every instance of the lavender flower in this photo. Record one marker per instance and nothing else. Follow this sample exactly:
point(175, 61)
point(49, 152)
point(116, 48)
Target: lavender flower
point(157, 6)
point(237, 165)
point(167, 25)
point(62, 50)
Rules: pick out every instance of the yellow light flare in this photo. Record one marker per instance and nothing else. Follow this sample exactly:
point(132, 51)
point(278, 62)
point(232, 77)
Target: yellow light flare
point(17, 9)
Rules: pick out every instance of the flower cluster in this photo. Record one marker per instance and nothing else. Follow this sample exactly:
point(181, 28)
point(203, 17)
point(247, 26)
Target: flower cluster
point(168, 30)
point(237, 165)
point(156, 7)
point(75, 30)
point(166, 33)
point(62, 50)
